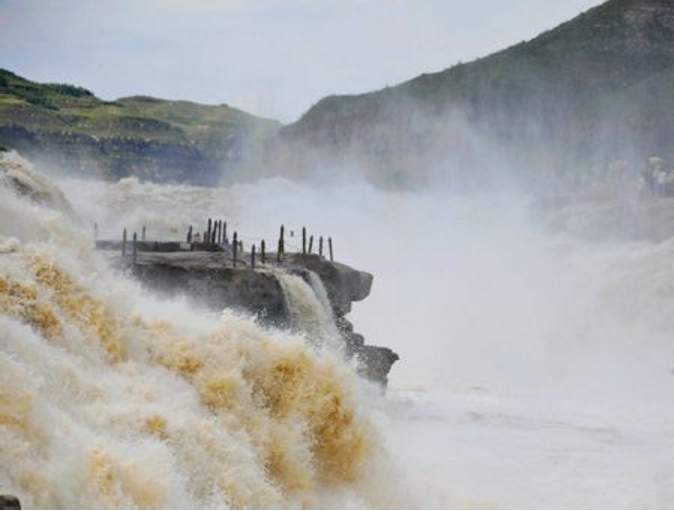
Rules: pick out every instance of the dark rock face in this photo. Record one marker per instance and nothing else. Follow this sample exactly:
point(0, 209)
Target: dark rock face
point(115, 157)
point(9, 502)
point(375, 361)
point(210, 279)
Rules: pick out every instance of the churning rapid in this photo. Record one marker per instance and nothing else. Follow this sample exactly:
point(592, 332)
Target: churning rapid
point(536, 367)
point(111, 398)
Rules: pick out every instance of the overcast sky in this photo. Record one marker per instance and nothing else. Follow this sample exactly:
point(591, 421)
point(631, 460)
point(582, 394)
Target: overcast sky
point(274, 58)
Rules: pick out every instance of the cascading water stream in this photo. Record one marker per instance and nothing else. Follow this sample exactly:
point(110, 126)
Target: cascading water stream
point(321, 294)
point(310, 309)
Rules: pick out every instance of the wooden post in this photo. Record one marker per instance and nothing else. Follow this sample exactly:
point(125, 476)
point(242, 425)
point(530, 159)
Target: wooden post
point(311, 243)
point(189, 235)
point(214, 233)
point(224, 233)
point(330, 248)
point(252, 257)
point(304, 241)
point(279, 251)
point(282, 243)
point(320, 246)
point(207, 239)
point(262, 252)
point(124, 243)
point(235, 247)
point(135, 246)
point(143, 235)
point(220, 232)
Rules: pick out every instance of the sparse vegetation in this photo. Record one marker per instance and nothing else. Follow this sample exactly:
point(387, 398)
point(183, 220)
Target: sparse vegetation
point(55, 107)
point(141, 135)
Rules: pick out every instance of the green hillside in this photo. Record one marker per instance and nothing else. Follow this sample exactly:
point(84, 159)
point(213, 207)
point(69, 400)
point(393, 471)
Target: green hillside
point(154, 138)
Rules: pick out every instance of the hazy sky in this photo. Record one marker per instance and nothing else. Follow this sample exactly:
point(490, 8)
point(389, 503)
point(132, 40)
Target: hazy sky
point(271, 57)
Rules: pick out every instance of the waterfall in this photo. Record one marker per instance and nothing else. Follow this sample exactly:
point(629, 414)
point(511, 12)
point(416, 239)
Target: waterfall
point(310, 309)
point(110, 398)
point(321, 293)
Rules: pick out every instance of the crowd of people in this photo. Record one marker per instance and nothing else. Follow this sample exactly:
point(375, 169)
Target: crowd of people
point(657, 178)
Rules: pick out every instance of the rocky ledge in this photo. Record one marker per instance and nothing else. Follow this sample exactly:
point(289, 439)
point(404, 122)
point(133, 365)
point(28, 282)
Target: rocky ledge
point(211, 279)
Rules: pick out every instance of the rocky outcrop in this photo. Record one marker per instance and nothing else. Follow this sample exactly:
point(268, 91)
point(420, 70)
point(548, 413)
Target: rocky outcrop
point(9, 502)
point(376, 361)
point(211, 280)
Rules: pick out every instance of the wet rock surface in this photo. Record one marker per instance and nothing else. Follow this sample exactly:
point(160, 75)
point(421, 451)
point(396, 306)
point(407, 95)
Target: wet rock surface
point(210, 279)
point(376, 361)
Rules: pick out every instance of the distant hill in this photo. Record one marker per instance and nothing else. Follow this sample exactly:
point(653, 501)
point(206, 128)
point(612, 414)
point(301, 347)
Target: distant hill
point(144, 136)
point(596, 88)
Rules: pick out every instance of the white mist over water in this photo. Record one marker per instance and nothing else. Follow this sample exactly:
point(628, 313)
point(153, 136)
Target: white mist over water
point(535, 367)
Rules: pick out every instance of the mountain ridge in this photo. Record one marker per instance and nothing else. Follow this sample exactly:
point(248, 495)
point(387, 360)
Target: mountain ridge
point(552, 90)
